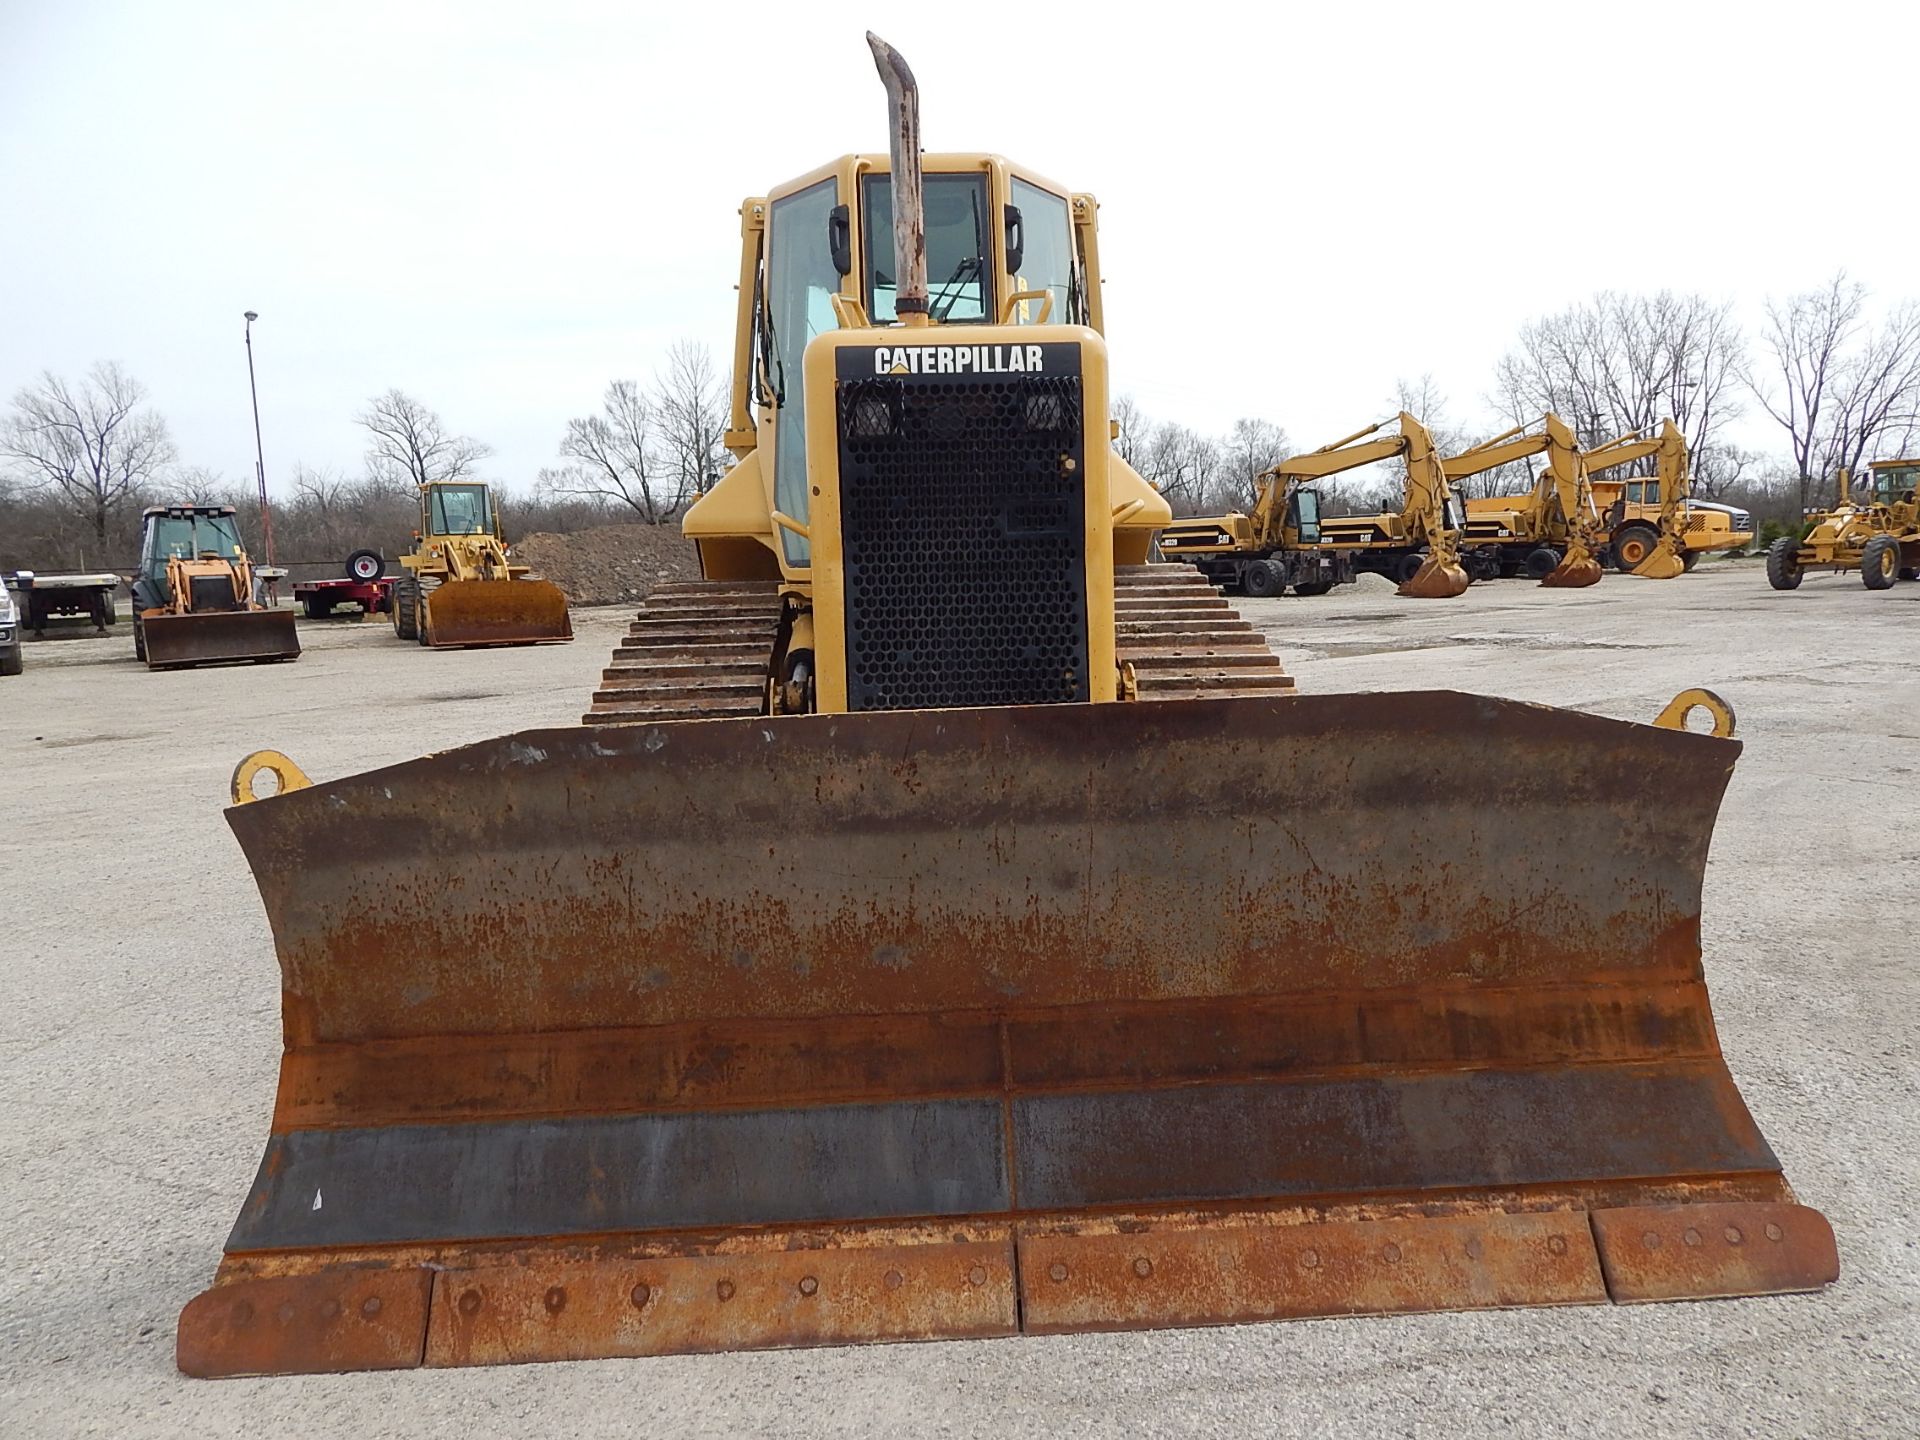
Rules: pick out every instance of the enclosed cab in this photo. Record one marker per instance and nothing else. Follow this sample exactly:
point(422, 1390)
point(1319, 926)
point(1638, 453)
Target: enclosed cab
point(460, 588)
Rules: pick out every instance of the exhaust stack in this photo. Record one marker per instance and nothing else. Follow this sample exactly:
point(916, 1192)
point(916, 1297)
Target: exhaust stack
point(909, 214)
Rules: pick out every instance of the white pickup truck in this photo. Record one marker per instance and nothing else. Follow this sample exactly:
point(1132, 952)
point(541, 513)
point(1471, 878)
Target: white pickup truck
point(10, 663)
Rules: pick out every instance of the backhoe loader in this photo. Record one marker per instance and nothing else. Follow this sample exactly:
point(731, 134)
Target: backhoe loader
point(1652, 522)
point(1548, 533)
point(957, 981)
point(193, 598)
point(1284, 541)
point(461, 589)
point(1878, 535)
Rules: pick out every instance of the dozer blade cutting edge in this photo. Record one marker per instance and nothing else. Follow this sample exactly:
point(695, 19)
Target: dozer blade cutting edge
point(767, 1032)
point(496, 612)
point(214, 636)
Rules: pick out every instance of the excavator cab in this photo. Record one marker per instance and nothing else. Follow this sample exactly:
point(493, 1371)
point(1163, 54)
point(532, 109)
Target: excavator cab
point(1009, 950)
point(1303, 516)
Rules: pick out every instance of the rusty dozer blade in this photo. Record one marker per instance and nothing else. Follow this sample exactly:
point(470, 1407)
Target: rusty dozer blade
point(214, 636)
point(767, 1032)
point(496, 612)
point(1438, 578)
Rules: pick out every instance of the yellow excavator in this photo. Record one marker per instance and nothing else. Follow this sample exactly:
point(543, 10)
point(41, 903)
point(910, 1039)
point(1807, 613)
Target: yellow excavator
point(1878, 534)
point(1654, 527)
point(1285, 541)
point(1548, 533)
point(194, 595)
point(958, 984)
point(461, 588)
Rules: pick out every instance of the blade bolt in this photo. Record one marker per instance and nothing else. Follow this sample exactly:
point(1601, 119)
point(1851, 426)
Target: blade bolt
point(724, 1289)
point(1774, 1232)
point(640, 1294)
point(1057, 1271)
point(1474, 1248)
point(1310, 1259)
point(1143, 1267)
point(808, 1285)
point(470, 1302)
point(330, 1309)
point(1651, 1240)
point(285, 1313)
point(977, 1275)
point(555, 1299)
point(243, 1313)
point(1390, 1253)
point(370, 1306)
point(1557, 1245)
point(1734, 1237)
point(1692, 1237)
point(895, 1279)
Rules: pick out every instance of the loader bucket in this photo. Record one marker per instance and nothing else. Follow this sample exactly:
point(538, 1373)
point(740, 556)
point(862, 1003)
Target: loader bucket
point(729, 1034)
point(496, 612)
point(1662, 563)
point(212, 636)
point(1436, 579)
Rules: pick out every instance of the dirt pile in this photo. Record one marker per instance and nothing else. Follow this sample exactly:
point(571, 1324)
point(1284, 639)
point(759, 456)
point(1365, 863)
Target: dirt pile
point(611, 564)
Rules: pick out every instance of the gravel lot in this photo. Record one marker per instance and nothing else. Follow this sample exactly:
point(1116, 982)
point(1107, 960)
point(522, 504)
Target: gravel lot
point(138, 1051)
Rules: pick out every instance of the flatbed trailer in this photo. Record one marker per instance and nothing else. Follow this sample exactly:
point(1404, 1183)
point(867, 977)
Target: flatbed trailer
point(44, 596)
point(374, 597)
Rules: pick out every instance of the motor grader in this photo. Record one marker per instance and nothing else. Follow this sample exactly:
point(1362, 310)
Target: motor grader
point(1878, 534)
point(194, 599)
point(1654, 522)
point(1548, 533)
point(1284, 542)
point(950, 978)
point(461, 589)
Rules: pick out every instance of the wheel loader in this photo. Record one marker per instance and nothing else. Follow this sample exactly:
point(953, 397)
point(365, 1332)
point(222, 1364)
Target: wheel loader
point(194, 596)
point(1285, 542)
point(1548, 533)
point(1878, 534)
point(1653, 522)
point(461, 589)
point(955, 980)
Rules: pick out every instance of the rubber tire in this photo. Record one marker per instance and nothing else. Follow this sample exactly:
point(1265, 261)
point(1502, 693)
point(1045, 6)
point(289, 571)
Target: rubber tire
point(379, 566)
point(1408, 566)
point(1689, 559)
point(318, 609)
point(1262, 579)
point(139, 637)
point(1783, 570)
point(1628, 535)
point(406, 618)
point(1313, 588)
point(1880, 563)
point(1542, 562)
point(12, 662)
point(1910, 572)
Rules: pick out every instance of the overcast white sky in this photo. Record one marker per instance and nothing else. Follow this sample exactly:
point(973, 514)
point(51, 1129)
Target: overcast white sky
point(498, 208)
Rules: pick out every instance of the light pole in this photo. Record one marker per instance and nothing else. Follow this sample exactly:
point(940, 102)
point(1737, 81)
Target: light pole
point(259, 457)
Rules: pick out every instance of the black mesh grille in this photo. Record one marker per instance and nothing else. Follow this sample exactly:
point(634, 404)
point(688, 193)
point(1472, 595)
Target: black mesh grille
point(962, 527)
point(213, 592)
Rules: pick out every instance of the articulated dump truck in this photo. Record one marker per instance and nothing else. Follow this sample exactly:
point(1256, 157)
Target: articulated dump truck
point(952, 976)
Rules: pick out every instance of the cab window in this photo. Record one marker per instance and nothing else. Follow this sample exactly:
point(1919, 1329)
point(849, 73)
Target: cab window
point(459, 510)
point(801, 284)
point(959, 247)
point(188, 536)
point(1047, 254)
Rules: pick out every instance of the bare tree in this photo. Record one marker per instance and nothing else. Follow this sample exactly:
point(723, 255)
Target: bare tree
point(1840, 384)
point(1135, 439)
point(690, 405)
point(1184, 466)
point(1624, 363)
point(411, 445)
point(616, 456)
point(93, 446)
point(1251, 448)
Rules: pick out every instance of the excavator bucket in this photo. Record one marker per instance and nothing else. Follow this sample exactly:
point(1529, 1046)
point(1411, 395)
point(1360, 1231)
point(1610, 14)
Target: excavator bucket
point(496, 612)
point(1436, 579)
point(1663, 562)
point(213, 636)
point(1577, 569)
point(763, 1032)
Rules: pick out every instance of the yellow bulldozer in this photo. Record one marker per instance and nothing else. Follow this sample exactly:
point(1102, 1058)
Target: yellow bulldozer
point(461, 588)
point(1654, 527)
point(1877, 534)
point(194, 600)
point(1285, 542)
point(956, 981)
point(1549, 533)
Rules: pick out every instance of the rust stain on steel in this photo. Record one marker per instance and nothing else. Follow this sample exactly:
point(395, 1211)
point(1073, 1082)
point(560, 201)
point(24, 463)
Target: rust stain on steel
point(1033, 857)
point(1170, 1274)
point(556, 1308)
point(218, 635)
point(1713, 1251)
point(496, 612)
point(339, 1318)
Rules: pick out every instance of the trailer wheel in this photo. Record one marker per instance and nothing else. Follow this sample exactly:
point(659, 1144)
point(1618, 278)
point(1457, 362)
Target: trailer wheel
point(1542, 562)
point(365, 566)
point(1313, 587)
point(1783, 563)
point(1262, 579)
point(1880, 562)
point(318, 609)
